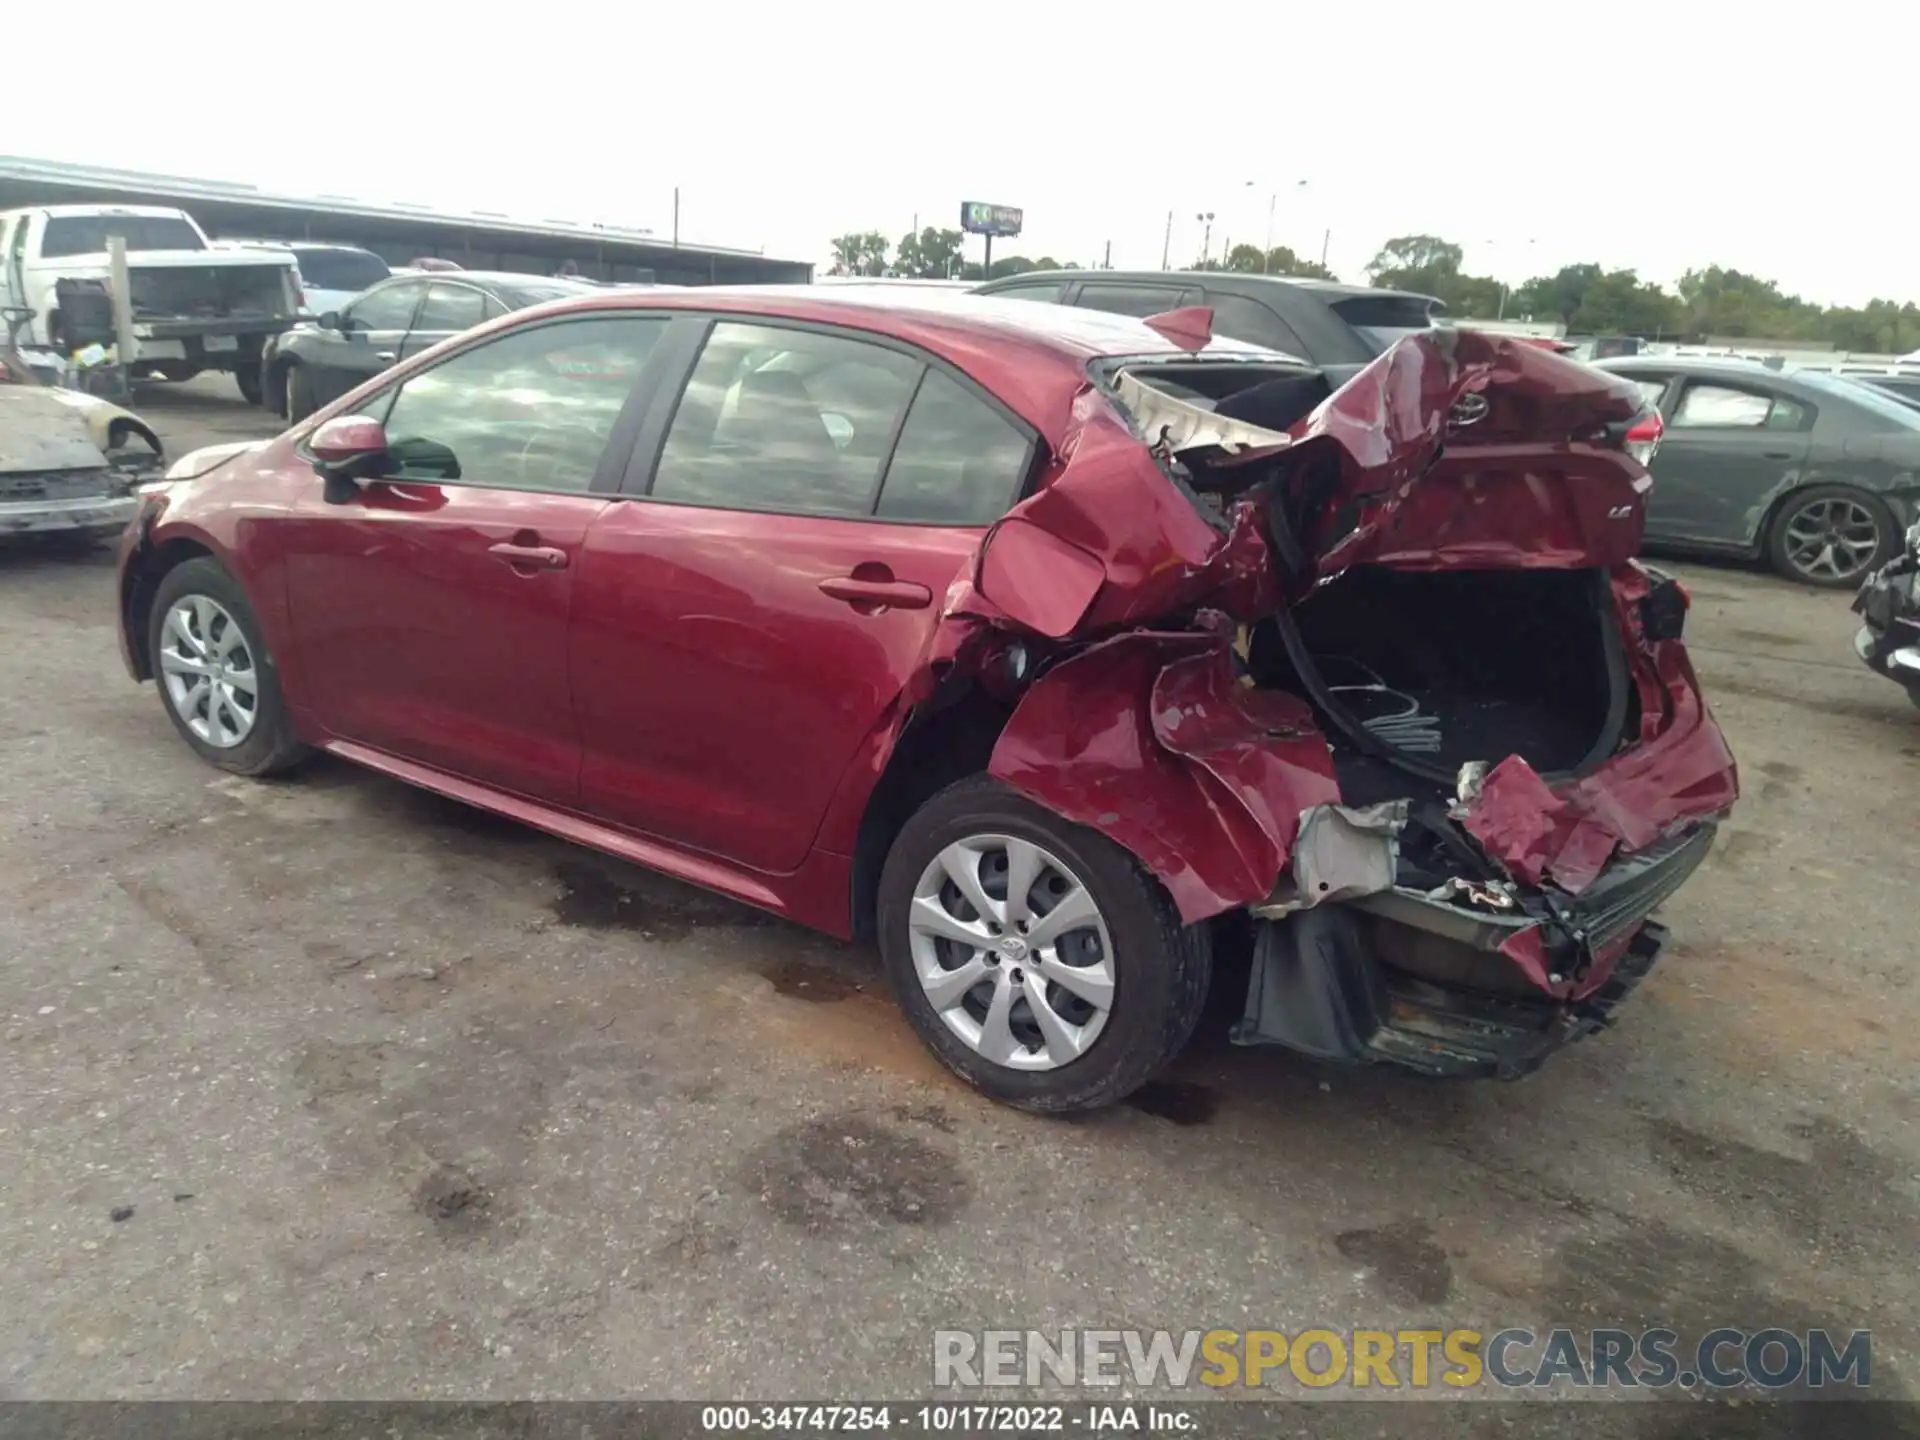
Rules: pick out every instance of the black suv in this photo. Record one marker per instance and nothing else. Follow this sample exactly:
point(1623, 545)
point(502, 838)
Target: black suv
point(1340, 328)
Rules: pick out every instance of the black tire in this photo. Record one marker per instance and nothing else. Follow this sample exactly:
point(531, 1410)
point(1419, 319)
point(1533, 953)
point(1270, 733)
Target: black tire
point(299, 394)
point(1799, 503)
point(247, 376)
point(1161, 967)
point(271, 745)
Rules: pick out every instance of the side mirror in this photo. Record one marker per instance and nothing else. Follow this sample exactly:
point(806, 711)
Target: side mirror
point(329, 321)
point(347, 451)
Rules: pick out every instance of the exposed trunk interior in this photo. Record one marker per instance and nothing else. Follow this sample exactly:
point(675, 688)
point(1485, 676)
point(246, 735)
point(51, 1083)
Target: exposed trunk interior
point(1415, 674)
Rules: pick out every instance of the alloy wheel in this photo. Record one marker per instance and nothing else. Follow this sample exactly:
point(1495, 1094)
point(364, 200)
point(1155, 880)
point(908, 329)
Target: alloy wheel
point(1012, 952)
point(209, 672)
point(1832, 539)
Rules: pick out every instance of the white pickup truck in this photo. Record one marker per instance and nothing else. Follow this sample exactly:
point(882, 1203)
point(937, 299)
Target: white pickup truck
point(194, 307)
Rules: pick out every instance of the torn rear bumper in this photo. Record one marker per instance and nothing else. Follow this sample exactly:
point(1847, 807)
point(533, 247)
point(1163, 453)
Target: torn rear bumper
point(1405, 979)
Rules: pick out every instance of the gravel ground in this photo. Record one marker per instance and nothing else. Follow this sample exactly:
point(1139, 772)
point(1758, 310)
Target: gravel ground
point(326, 1088)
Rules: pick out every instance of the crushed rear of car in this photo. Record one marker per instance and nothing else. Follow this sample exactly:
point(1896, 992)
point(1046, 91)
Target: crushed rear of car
point(1379, 669)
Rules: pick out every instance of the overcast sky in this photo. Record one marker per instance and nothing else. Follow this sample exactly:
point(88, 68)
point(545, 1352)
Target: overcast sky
point(1653, 136)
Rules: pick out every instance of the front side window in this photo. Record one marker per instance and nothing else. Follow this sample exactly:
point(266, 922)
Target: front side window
point(1722, 407)
point(451, 308)
point(789, 421)
point(959, 460)
point(388, 308)
point(531, 410)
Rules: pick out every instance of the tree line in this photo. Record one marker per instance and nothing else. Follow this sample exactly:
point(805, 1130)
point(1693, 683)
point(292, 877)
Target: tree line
point(1714, 301)
point(1711, 302)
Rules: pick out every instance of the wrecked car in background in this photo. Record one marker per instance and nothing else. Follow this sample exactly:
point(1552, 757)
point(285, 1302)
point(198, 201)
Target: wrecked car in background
point(1889, 609)
point(1049, 648)
point(69, 462)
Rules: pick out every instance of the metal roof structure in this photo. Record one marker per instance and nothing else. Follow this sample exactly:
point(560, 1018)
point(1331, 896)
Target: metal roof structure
point(399, 230)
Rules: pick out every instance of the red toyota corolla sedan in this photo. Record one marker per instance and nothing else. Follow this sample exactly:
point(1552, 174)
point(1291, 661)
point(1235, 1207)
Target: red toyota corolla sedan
point(1030, 642)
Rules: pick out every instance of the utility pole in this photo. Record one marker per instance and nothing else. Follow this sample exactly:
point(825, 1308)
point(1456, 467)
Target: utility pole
point(1107, 263)
point(1266, 255)
point(1325, 240)
point(1166, 245)
point(676, 217)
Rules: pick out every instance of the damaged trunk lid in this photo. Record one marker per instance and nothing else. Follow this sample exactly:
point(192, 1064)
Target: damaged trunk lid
point(1205, 545)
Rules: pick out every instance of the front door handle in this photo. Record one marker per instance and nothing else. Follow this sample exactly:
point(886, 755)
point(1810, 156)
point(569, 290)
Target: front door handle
point(386, 355)
point(529, 557)
point(1776, 454)
point(868, 596)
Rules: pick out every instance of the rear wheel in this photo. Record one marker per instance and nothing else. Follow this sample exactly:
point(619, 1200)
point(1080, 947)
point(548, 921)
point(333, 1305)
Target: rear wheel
point(247, 376)
point(1034, 956)
point(299, 394)
point(1831, 536)
point(211, 666)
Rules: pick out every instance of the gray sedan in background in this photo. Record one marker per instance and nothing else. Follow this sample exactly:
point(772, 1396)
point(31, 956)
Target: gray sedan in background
point(1815, 473)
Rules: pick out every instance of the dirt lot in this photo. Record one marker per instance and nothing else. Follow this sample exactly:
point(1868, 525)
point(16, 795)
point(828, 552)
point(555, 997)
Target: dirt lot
point(405, 1101)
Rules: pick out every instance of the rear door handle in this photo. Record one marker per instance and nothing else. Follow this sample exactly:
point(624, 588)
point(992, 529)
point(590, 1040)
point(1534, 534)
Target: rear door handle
point(384, 355)
point(893, 594)
point(1776, 454)
point(529, 557)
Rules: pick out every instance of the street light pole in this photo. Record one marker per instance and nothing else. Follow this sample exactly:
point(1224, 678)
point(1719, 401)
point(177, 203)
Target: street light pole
point(1205, 217)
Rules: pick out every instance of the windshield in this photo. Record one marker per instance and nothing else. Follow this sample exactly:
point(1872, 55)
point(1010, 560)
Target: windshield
point(339, 269)
point(87, 234)
point(1898, 415)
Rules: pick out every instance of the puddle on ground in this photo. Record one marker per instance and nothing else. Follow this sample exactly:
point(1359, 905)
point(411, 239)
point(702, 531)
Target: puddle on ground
point(802, 980)
point(591, 898)
point(1180, 1101)
point(845, 1172)
point(1410, 1265)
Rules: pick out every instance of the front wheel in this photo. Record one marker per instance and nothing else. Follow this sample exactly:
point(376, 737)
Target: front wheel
point(299, 394)
point(1831, 536)
point(247, 376)
point(214, 674)
point(1034, 956)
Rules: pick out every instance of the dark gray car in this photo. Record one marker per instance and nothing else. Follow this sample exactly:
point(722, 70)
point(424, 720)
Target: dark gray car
point(1813, 472)
point(316, 364)
point(1340, 328)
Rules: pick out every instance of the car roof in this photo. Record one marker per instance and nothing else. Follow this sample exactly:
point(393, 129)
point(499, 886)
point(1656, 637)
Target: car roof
point(1219, 280)
point(1728, 366)
point(947, 322)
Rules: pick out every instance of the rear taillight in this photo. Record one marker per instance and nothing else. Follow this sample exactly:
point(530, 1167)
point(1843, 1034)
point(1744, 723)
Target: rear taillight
point(1643, 437)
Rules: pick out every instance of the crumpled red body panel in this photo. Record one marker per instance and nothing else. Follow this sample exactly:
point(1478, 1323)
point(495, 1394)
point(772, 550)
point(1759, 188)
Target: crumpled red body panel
point(1145, 733)
point(1150, 739)
point(1681, 770)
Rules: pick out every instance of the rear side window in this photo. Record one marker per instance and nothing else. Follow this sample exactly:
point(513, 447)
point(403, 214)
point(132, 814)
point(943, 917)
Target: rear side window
point(959, 461)
point(1050, 292)
point(789, 421)
point(1651, 387)
point(1138, 300)
point(1385, 319)
point(451, 308)
point(1722, 407)
point(340, 269)
point(1238, 318)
